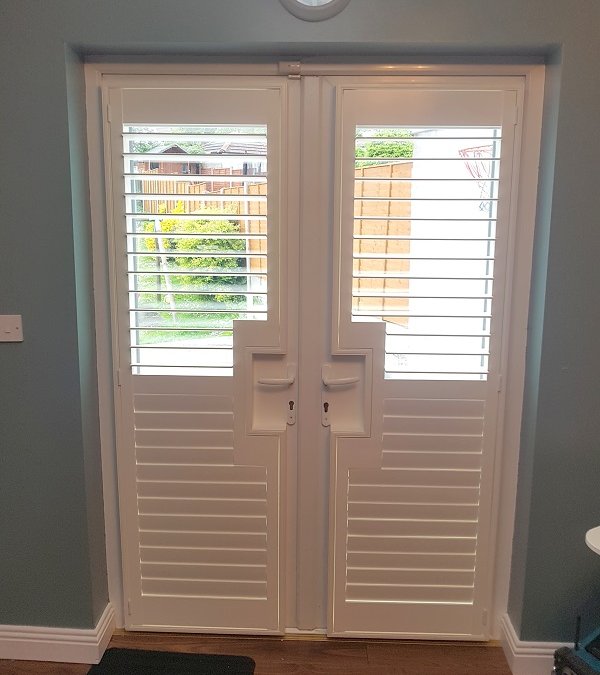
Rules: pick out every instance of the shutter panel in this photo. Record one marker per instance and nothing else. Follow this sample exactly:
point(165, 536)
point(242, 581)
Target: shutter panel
point(423, 224)
point(196, 214)
point(411, 529)
point(424, 232)
point(204, 524)
point(196, 222)
point(419, 515)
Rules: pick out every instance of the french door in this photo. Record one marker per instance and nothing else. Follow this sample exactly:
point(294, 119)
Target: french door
point(308, 281)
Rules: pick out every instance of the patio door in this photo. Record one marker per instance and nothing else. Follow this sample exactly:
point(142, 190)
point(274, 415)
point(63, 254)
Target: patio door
point(206, 370)
point(308, 282)
point(421, 229)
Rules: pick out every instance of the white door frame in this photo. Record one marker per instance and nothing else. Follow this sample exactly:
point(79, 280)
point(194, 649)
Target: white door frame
point(505, 475)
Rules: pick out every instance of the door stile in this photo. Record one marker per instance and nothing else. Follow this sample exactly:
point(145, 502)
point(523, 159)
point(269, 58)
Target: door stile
point(315, 308)
point(355, 352)
point(124, 423)
point(290, 270)
point(493, 446)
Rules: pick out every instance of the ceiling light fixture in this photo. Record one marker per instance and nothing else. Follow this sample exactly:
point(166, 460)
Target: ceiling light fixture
point(314, 10)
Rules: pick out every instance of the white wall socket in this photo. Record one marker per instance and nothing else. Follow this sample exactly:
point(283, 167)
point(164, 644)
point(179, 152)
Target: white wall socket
point(11, 328)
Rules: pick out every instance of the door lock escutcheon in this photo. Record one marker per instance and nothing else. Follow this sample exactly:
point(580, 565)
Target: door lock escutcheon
point(291, 415)
point(325, 414)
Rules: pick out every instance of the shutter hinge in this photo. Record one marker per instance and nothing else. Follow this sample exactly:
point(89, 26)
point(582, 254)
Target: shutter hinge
point(517, 115)
point(118, 377)
point(484, 617)
point(500, 383)
point(108, 113)
point(511, 110)
point(293, 69)
point(128, 607)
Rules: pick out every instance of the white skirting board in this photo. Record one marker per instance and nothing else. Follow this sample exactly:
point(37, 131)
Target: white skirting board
point(68, 645)
point(527, 658)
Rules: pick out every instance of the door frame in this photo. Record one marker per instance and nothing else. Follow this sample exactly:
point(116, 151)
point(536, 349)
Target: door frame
point(511, 402)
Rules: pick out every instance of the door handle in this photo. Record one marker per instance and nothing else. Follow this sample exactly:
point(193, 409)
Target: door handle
point(280, 381)
point(335, 381)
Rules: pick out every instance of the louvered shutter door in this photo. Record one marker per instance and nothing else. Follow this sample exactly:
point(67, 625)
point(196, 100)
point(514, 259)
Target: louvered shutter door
point(422, 226)
point(196, 236)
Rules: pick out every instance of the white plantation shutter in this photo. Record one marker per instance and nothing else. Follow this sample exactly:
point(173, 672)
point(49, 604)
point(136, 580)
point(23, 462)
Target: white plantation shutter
point(415, 527)
point(424, 235)
point(203, 553)
point(412, 527)
point(202, 519)
point(196, 232)
point(424, 224)
point(196, 216)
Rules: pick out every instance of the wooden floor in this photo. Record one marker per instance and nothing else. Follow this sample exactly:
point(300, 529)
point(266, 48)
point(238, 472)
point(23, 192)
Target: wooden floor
point(276, 656)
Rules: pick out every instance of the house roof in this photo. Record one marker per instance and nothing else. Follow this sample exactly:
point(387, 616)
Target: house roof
point(226, 147)
point(170, 148)
point(232, 147)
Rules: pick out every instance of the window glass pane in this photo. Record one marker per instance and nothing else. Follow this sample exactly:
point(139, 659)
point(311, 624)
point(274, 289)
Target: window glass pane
point(425, 211)
point(196, 216)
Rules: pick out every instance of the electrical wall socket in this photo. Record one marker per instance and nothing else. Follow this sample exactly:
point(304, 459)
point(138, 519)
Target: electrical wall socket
point(11, 328)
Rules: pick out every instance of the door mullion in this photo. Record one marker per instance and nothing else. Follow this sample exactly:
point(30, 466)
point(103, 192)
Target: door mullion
point(315, 244)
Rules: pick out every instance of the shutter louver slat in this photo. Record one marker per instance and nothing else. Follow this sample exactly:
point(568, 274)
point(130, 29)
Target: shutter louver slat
point(196, 207)
point(202, 519)
point(413, 524)
point(425, 209)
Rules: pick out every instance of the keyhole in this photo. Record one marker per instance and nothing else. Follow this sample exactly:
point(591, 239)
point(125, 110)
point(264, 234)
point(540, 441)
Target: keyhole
point(325, 406)
point(291, 404)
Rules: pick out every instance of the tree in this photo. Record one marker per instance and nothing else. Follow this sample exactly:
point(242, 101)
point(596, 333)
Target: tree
point(161, 250)
point(392, 149)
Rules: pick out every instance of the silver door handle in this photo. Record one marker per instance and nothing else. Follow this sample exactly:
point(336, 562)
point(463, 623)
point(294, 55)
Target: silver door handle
point(336, 381)
point(280, 381)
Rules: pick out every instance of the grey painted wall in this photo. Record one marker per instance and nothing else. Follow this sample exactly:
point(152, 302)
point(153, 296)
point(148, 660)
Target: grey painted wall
point(51, 533)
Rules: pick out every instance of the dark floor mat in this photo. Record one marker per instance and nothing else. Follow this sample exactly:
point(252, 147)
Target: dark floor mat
point(141, 662)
